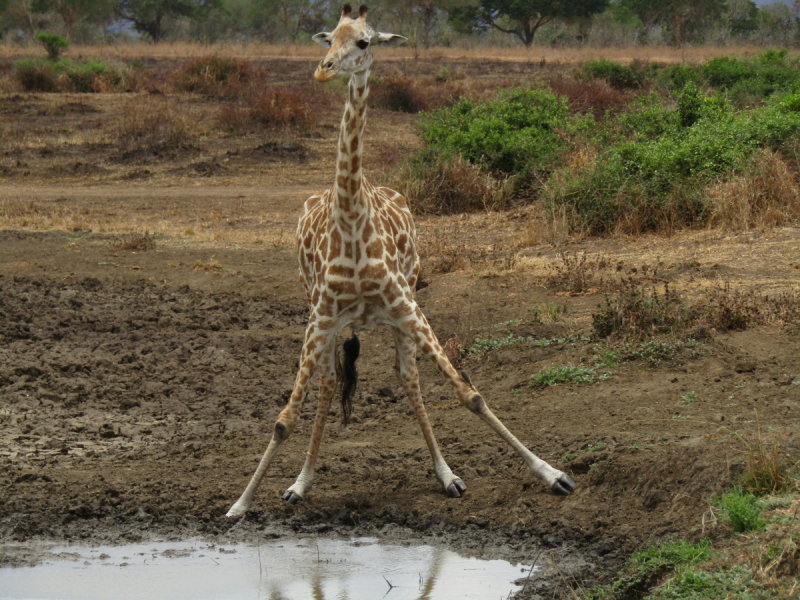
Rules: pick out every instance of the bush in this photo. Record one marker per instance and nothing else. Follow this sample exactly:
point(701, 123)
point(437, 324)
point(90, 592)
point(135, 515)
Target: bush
point(757, 77)
point(215, 76)
point(653, 164)
point(448, 185)
point(263, 107)
point(400, 94)
point(618, 76)
point(742, 511)
point(638, 311)
point(37, 75)
point(595, 96)
point(516, 134)
point(153, 128)
point(53, 43)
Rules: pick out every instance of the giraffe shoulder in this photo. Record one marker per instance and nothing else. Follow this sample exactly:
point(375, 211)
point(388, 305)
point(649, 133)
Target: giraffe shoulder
point(395, 198)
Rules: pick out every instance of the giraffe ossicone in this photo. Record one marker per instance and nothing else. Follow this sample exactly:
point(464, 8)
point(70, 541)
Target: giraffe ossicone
point(359, 266)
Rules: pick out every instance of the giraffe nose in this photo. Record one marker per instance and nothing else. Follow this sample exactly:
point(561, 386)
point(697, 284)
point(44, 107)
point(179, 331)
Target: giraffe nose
point(325, 71)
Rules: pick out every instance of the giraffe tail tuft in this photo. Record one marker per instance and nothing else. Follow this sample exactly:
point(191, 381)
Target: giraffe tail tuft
point(352, 348)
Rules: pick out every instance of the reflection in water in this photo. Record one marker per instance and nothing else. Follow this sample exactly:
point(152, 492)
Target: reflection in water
point(298, 569)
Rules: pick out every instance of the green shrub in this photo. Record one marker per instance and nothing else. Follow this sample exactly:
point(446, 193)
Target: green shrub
point(678, 75)
point(516, 134)
point(38, 75)
point(742, 511)
point(759, 77)
point(690, 105)
point(618, 76)
point(652, 165)
point(53, 43)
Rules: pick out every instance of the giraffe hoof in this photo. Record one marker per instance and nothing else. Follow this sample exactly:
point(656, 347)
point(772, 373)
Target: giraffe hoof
point(291, 497)
point(563, 486)
point(455, 489)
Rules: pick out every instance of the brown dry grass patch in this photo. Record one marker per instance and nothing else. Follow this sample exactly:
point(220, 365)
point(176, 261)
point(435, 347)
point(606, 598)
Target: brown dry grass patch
point(217, 76)
point(154, 126)
point(595, 95)
point(766, 194)
point(450, 186)
point(263, 107)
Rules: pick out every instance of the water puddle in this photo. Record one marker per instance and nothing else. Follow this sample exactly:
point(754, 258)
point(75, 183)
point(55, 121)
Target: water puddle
point(302, 568)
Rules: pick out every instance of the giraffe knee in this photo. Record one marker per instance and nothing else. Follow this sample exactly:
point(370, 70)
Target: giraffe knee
point(281, 432)
point(476, 404)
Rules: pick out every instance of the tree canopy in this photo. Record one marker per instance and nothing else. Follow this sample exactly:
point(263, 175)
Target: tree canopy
point(523, 18)
point(677, 15)
point(147, 16)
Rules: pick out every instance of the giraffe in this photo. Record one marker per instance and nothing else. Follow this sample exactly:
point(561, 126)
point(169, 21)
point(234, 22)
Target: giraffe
point(359, 265)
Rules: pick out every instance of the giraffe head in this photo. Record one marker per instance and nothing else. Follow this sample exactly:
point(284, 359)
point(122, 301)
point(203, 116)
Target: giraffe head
point(351, 45)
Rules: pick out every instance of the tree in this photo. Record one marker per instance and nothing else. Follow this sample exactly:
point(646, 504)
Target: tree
point(296, 15)
point(147, 15)
point(742, 16)
point(72, 11)
point(523, 17)
point(677, 15)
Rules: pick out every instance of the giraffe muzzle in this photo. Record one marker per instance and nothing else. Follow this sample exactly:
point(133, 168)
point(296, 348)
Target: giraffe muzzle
point(326, 71)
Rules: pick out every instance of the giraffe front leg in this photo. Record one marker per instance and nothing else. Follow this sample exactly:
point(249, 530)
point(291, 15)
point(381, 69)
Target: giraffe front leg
point(406, 367)
point(558, 481)
point(327, 390)
point(312, 349)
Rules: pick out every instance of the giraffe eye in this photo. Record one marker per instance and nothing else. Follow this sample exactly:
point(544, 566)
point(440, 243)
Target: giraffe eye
point(362, 44)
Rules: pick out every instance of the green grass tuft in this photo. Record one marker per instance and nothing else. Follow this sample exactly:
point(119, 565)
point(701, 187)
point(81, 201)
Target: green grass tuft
point(566, 374)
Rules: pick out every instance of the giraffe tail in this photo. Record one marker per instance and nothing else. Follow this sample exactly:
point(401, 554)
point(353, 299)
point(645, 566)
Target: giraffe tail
point(352, 348)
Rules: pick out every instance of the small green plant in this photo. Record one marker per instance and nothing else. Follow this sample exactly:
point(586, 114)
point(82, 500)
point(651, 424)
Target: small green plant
point(689, 397)
point(568, 457)
point(566, 374)
point(741, 510)
point(53, 43)
point(596, 447)
point(647, 566)
point(443, 76)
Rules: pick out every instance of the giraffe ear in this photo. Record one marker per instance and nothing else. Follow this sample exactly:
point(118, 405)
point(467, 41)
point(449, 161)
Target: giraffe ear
point(388, 40)
point(323, 39)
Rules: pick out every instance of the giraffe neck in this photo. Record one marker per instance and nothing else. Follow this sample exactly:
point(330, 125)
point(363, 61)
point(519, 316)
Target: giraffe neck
point(350, 202)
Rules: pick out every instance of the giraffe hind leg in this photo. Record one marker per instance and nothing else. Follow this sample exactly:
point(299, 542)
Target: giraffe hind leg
point(327, 390)
point(286, 420)
point(559, 482)
point(408, 374)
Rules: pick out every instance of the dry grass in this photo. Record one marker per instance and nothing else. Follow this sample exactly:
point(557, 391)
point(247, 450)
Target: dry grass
point(220, 77)
point(259, 51)
point(579, 274)
point(150, 126)
point(444, 247)
point(212, 266)
point(594, 95)
point(765, 195)
point(138, 242)
point(262, 107)
point(450, 186)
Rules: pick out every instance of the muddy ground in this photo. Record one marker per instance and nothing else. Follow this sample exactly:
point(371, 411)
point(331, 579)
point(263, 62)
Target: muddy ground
point(139, 381)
